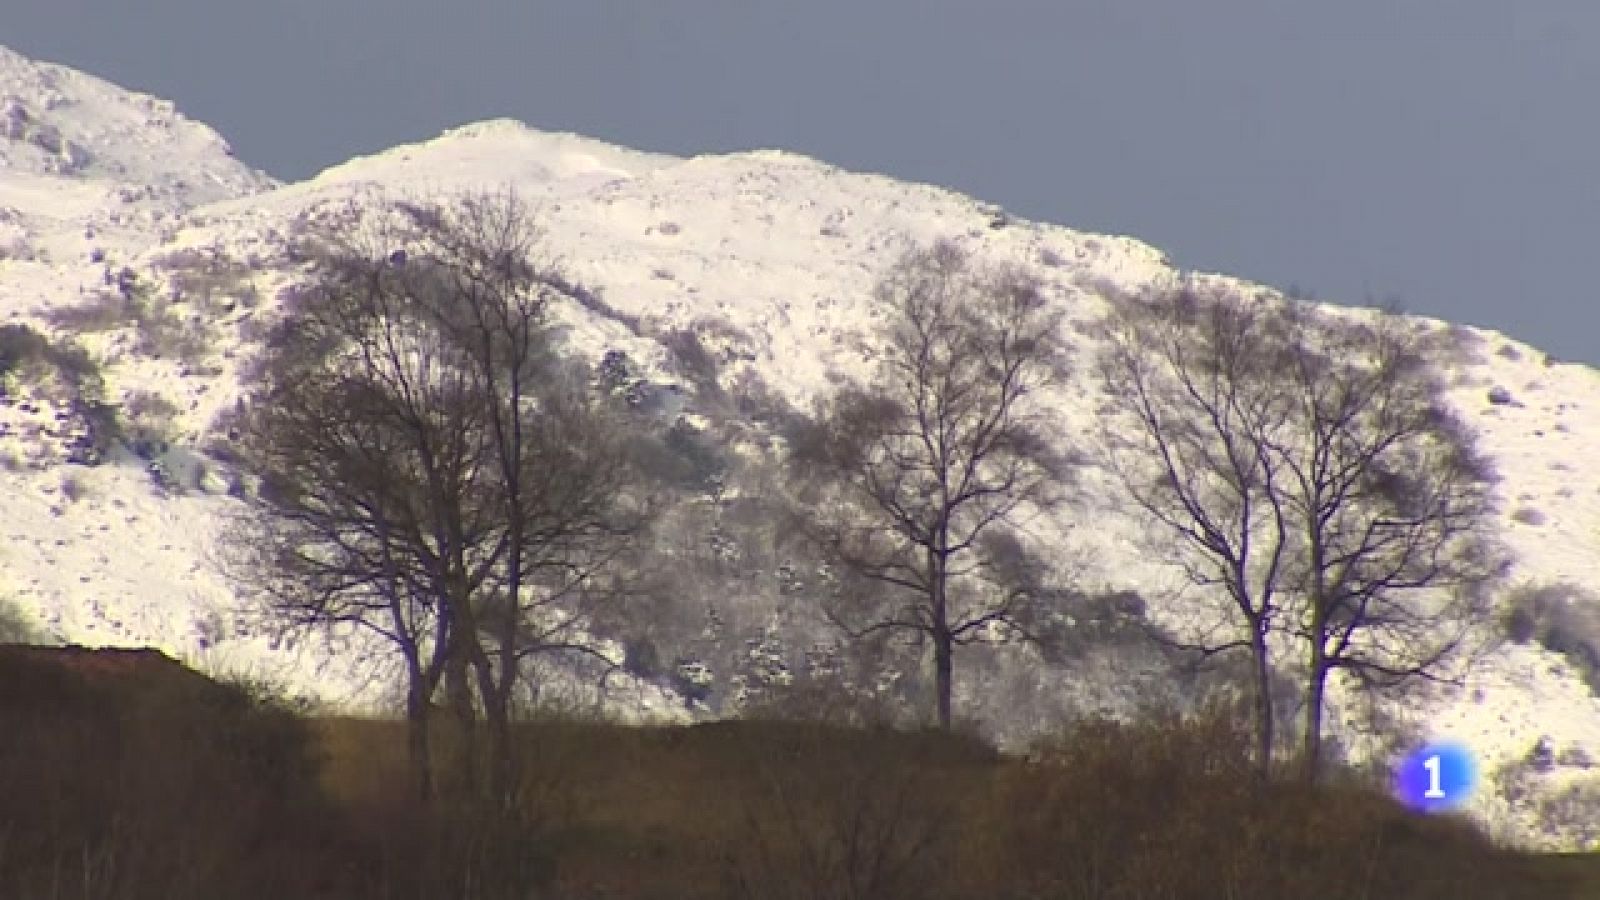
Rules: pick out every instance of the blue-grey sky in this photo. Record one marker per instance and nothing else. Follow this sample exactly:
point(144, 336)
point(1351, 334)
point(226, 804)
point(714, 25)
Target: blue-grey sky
point(1442, 153)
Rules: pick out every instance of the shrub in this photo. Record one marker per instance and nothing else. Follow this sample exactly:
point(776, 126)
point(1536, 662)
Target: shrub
point(1564, 618)
point(159, 331)
point(681, 456)
point(1461, 346)
point(1574, 755)
point(694, 361)
point(15, 628)
point(1565, 810)
point(80, 370)
point(147, 418)
point(830, 812)
point(614, 372)
point(254, 328)
point(1527, 515)
point(756, 400)
point(215, 288)
point(1170, 807)
point(73, 488)
point(20, 345)
point(595, 302)
point(164, 334)
point(77, 379)
point(701, 463)
point(1572, 813)
point(1519, 624)
point(102, 312)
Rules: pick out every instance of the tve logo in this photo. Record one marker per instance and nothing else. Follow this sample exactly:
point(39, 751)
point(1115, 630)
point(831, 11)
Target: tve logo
point(1436, 777)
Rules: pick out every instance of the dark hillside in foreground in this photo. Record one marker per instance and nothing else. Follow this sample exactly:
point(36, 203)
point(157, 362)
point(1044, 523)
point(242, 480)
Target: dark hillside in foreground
point(40, 672)
point(1579, 870)
point(124, 775)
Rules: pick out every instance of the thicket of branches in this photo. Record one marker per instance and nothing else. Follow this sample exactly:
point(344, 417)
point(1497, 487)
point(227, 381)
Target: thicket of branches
point(1306, 468)
point(430, 470)
point(929, 473)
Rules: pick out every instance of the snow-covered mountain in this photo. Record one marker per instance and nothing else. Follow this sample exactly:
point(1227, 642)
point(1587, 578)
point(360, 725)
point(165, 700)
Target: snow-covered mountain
point(86, 162)
point(768, 256)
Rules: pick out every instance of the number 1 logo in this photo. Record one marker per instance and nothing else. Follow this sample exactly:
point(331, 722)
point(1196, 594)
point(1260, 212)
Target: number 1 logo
point(1434, 765)
point(1436, 778)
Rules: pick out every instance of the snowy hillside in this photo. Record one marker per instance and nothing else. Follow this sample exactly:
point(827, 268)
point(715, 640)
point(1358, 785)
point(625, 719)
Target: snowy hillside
point(768, 257)
point(84, 163)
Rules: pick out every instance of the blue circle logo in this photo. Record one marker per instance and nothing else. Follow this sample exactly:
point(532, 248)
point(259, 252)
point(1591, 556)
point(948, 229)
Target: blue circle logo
point(1436, 777)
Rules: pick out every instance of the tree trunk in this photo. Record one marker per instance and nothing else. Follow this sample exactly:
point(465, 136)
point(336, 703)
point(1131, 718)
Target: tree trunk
point(417, 746)
point(1265, 725)
point(942, 667)
point(1316, 689)
point(497, 718)
point(1317, 672)
point(458, 694)
point(503, 773)
point(943, 640)
point(498, 687)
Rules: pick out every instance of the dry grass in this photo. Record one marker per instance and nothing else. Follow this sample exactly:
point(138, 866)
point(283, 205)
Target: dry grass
point(1172, 808)
point(190, 790)
point(128, 777)
point(778, 810)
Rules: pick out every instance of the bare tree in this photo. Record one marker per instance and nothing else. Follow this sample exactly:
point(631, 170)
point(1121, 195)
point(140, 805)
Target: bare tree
point(1189, 372)
point(1392, 502)
point(939, 458)
point(430, 471)
point(1312, 473)
point(359, 438)
point(564, 498)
